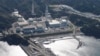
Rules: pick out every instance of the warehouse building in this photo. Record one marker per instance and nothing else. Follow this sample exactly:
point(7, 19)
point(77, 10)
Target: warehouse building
point(28, 29)
point(54, 24)
point(22, 22)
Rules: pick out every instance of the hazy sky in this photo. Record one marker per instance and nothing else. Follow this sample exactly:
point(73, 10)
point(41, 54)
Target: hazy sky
point(90, 47)
point(6, 50)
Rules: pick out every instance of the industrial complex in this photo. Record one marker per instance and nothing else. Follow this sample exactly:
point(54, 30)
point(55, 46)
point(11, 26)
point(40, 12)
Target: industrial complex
point(46, 26)
point(43, 24)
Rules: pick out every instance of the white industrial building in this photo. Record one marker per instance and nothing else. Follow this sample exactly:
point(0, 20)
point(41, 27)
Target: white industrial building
point(30, 20)
point(54, 24)
point(16, 13)
point(57, 24)
point(22, 22)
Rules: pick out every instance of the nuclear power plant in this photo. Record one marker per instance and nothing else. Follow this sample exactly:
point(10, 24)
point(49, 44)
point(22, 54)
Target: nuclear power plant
point(42, 25)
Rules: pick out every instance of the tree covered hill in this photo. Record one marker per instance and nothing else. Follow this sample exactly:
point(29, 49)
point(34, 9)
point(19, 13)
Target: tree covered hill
point(24, 7)
point(81, 5)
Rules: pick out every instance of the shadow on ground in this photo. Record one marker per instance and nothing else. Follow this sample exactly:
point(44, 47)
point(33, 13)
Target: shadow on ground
point(15, 40)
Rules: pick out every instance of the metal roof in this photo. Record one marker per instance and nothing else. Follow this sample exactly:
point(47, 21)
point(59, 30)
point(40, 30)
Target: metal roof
point(22, 23)
point(29, 26)
point(54, 22)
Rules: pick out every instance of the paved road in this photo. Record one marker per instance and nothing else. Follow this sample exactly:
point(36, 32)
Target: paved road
point(37, 46)
point(74, 35)
point(41, 49)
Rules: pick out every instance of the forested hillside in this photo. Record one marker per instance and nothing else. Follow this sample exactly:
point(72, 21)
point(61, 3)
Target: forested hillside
point(89, 27)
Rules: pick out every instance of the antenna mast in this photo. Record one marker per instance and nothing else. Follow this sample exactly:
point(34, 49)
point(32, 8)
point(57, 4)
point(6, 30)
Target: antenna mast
point(47, 14)
point(33, 8)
